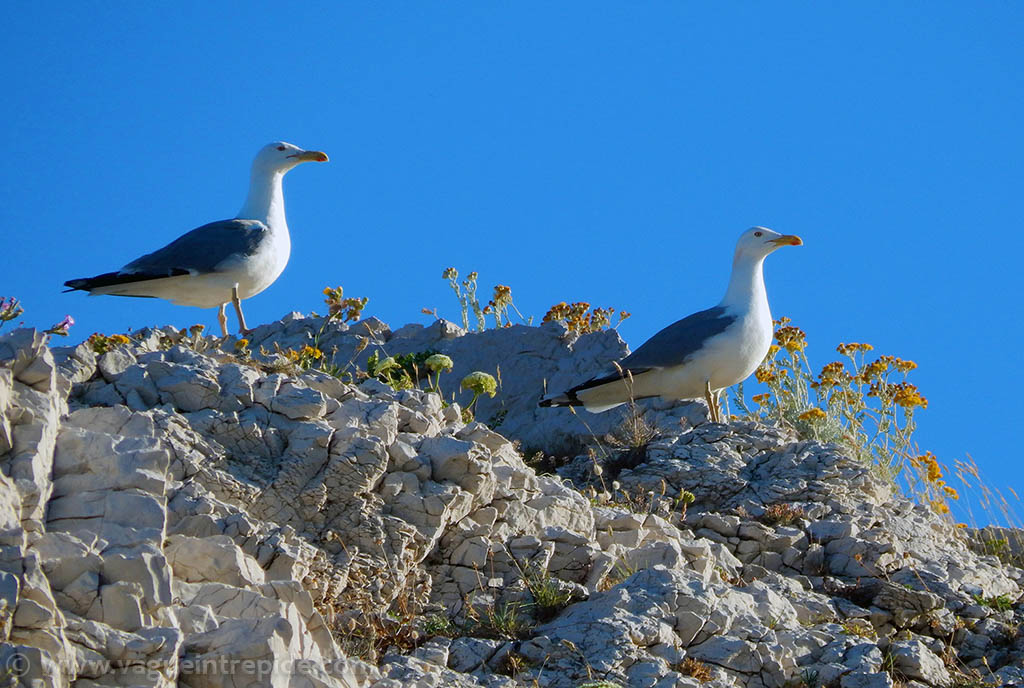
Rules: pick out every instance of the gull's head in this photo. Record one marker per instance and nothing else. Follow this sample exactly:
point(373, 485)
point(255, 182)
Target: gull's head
point(758, 242)
point(280, 156)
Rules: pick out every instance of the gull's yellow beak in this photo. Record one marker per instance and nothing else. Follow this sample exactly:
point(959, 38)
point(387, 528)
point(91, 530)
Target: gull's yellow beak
point(310, 156)
point(787, 240)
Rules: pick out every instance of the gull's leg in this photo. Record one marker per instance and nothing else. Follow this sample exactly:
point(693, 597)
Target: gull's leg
point(222, 318)
point(238, 309)
point(712, 403)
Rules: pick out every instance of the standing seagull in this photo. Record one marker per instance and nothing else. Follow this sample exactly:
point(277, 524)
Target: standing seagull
point(701, 354)
point(223, 261)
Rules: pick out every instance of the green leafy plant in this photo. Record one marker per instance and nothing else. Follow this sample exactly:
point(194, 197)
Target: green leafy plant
point(434, 625)
point(1001, 603)
point(506, 620)
point(402, 371)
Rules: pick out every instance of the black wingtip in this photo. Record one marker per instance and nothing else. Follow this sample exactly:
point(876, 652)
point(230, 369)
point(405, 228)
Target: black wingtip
point(567, 399)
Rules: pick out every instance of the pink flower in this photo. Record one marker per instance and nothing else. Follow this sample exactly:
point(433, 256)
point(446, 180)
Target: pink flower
point(61, 328)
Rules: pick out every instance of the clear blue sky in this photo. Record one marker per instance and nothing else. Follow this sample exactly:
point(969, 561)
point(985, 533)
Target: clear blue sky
point(607, 152)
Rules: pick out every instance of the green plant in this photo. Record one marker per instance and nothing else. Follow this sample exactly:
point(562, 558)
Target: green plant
point(507, 620)
point(810, 679)
point(549, 594)
point(434, 625)
point(402, 371)
point(437, 364)
point(1001, 603)
point(479, 383)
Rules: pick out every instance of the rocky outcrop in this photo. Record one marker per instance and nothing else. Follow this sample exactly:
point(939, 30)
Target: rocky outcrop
point(174, 513)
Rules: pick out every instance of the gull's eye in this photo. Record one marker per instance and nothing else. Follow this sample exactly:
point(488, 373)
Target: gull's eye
point(758, 233)
point(281, 148)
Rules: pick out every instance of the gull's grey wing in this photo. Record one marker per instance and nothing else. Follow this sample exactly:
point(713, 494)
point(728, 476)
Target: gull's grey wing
point(202, 249)
point(675, 344)
point(672, 346)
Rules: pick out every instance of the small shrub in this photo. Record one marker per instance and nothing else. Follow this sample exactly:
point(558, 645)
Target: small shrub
point(867, 406)
point(860, 628)
point(101, 343)
point(341, 308)
point(620, 572)
point(782, 514)
point(512, 663)
point(434, 625)
point(306, 357)
point(507, 620)
point(697, 669)
point(550, 596)
point(579, 317)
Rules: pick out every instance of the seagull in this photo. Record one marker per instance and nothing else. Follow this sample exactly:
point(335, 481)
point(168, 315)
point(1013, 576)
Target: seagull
point(701, 354)
point(224, 261)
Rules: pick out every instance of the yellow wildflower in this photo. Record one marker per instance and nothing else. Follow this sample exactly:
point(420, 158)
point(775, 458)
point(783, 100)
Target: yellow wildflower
point(311, 352)
point(814, 414)
point(761, 399)
point(907, 396)
point(904, 366)
point(791, 338)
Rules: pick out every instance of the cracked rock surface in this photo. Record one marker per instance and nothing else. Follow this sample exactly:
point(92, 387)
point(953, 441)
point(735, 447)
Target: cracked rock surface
point(173, 514)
